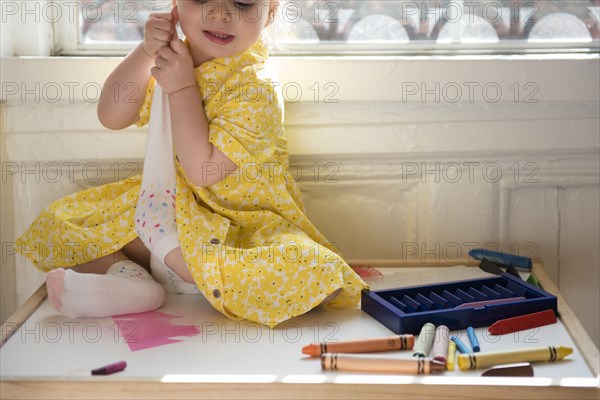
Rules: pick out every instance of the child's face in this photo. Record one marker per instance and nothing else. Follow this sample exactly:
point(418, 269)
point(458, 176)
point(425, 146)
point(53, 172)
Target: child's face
point(220, 28)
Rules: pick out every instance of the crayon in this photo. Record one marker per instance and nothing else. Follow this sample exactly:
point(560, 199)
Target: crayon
point(502, 258)
point(451, 355)
point(419, 366)
point(478, 304)
point(110, 368)
point(423, 344)
point(390, 343)
point(534, 281)
point(473, 339)
point(460, 346)
point(523, 322)
point(481, 360)
point(440, 344)
point(510, 269)
point(521, 369)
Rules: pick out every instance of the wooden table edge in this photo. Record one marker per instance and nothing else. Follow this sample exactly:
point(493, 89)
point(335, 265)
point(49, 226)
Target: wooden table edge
point(18, 318)
point(154, 389)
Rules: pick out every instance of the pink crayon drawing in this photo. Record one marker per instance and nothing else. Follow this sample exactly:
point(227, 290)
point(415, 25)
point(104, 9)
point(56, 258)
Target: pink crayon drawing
point(366, 271)
point(151, 329)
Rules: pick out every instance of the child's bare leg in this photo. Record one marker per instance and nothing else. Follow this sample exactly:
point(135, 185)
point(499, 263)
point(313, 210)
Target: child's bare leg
point(110, 285)
point(137, 252)
point(100, 265)
point(134, 251)
point(175, 261)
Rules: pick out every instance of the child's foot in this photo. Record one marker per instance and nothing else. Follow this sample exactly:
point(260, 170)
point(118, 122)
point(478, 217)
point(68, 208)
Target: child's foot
point(125, 288)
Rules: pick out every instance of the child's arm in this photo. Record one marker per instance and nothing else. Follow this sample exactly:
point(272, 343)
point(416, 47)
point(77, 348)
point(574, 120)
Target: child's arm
point(124, 91)
point(203, 163)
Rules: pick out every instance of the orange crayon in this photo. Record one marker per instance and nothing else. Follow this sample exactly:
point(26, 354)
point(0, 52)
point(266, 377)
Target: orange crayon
point(390, 343)
point(415, 366)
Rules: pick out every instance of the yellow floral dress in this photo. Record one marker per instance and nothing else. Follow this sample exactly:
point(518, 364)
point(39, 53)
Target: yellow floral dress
point(247, 241)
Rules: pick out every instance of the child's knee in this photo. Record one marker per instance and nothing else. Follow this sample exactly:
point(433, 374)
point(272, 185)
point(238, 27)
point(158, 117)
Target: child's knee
point(136, 251)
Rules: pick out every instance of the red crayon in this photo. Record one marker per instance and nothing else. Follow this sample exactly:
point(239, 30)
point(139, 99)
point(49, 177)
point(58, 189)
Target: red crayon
point(523, 322)
point(110, 369)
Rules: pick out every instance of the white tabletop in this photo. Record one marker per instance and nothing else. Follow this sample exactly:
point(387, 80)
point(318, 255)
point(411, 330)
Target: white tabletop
point(52, 346)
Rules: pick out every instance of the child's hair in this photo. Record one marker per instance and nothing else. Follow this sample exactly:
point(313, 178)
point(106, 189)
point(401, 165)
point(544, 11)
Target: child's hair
point(278, 29)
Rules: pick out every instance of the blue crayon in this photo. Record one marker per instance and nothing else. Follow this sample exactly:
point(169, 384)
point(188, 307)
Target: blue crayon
point(502, 258)
point(473, 339)
point(460, 346)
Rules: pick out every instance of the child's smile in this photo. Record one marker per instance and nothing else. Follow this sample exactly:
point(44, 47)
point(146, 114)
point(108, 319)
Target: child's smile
point(218, 37)
point(222, 28)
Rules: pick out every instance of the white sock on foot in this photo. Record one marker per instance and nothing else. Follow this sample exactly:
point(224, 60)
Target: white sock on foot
point(125, 288)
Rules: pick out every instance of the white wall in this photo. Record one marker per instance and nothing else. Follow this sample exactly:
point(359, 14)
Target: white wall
point(401, 176)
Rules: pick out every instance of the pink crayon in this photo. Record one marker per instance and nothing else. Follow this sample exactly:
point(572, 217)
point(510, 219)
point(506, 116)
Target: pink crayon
point(440, 344)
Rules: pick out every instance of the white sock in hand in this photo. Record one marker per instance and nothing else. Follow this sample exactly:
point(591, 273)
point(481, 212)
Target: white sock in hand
point(155, 218)
point(125, 288)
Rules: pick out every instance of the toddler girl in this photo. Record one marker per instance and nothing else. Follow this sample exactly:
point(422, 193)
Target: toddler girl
point(214, 211)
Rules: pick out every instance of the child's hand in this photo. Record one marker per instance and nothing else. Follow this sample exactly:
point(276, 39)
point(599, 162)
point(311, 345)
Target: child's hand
point(174, 68)
point(159, 31)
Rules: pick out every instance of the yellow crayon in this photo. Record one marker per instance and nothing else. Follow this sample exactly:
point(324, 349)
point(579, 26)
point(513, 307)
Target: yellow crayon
point(482, 360)
point(451, 355)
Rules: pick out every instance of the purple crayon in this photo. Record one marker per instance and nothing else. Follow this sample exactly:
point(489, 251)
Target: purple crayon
point(110, 368)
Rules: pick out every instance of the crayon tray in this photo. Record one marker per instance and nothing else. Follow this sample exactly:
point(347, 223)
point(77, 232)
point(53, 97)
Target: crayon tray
point(406, 310)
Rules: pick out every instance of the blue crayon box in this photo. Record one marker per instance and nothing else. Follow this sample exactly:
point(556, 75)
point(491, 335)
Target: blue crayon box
point(456, 304)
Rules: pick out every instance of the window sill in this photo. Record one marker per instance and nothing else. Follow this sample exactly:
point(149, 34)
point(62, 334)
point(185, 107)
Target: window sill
point(348, 78)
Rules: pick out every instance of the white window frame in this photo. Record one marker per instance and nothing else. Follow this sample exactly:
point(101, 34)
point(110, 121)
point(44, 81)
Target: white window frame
point(59, 35)
point(67, 43)
point(67, 40)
